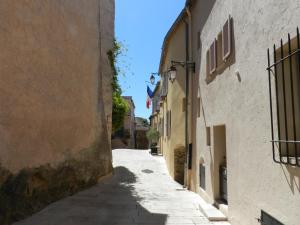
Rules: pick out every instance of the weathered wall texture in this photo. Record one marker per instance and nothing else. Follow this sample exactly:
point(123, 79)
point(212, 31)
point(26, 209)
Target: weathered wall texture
point(55, 100)
point(241, 103)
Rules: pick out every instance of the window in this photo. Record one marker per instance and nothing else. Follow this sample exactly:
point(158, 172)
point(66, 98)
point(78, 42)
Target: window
point(284, 92)
point(164, 86)
point(202, 176)
point(198, 107)
point(169, 126)
point(168, 120)
point(226, 39)
point(198, 40)
point(154, 104)
point(162, 127)
point(208, 136)
point(267, 219)
point(220, 51)
point(213, 57)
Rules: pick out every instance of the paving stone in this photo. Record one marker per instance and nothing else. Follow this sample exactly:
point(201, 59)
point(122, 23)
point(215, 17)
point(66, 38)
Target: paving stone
point(130, 197)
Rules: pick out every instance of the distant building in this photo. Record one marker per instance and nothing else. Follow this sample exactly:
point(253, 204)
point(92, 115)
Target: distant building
point(125, 136)
point(141, 128)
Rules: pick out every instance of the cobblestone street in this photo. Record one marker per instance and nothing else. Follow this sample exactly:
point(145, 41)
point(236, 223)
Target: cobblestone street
point(139, 192)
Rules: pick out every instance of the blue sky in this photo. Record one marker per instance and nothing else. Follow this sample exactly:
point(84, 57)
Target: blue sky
point(141, 26)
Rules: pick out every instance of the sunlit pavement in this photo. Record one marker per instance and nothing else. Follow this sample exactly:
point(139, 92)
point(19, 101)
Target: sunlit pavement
point(140, 192)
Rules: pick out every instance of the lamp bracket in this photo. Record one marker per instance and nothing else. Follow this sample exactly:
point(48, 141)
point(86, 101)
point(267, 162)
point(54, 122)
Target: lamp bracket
point(184, 64)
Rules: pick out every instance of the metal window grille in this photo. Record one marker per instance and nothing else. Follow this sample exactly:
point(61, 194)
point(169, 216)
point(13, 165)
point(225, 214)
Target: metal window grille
point(267, 219)
point(284, 93)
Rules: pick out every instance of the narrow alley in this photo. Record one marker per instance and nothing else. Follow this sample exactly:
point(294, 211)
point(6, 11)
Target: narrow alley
point(139, 192)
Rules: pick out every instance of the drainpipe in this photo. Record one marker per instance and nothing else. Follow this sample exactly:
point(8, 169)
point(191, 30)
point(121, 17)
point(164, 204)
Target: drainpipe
point(188, 39)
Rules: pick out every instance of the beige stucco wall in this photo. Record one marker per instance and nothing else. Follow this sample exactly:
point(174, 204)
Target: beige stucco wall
point(174, 100)
point(55, 83)
point(255, 182)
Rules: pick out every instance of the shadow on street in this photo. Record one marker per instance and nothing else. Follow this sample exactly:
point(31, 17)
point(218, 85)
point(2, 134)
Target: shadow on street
point(112, 202)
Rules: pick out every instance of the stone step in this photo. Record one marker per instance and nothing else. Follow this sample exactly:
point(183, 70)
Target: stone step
point(211, 212)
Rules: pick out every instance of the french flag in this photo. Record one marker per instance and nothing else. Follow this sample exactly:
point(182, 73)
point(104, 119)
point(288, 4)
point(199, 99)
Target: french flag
point(150, 95)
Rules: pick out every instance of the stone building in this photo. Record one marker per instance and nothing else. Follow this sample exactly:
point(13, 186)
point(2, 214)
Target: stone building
point(129, 123)
point(244, 154)
point(125, 136)
point(141, 129)
point(55, 100)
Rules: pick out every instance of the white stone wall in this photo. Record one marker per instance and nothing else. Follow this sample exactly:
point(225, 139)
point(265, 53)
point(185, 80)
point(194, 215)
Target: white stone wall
point(255, 182)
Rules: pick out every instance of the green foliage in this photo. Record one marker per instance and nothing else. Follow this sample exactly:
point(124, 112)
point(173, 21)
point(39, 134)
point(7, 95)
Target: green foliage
point(120, 106)
point(153, 135)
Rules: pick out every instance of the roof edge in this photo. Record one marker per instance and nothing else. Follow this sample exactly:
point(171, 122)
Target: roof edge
point(178, 20)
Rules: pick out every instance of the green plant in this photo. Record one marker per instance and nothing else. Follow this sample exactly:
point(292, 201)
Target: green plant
point(153, 136)
point(120, 106)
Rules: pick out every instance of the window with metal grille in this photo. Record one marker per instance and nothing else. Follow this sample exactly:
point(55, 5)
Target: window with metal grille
point(267, 219)
point(284, 92)
point(202, 176)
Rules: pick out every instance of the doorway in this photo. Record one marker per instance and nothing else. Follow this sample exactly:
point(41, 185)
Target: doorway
point(220, 164)
point(179, 164)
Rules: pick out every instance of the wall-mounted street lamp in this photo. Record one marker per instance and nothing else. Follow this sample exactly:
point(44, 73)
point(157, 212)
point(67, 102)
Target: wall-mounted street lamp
point(173, 70)
point(152, 78)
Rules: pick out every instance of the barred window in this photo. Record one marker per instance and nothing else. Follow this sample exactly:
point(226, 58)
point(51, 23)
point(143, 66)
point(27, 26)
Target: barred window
point(284, 92)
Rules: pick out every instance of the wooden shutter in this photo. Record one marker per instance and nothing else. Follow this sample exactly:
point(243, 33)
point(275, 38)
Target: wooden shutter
point(169, 123)
point(226, 39)
point(157, 104)
point(213, 57)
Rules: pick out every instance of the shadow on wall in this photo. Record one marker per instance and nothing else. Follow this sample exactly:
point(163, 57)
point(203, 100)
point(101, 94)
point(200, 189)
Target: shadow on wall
point(30, 190)
point(114, 201)
point(292, 176)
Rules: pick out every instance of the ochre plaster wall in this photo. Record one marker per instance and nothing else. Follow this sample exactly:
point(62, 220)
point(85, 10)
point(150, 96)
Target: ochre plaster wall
point(174, 101)
point(55, 96)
